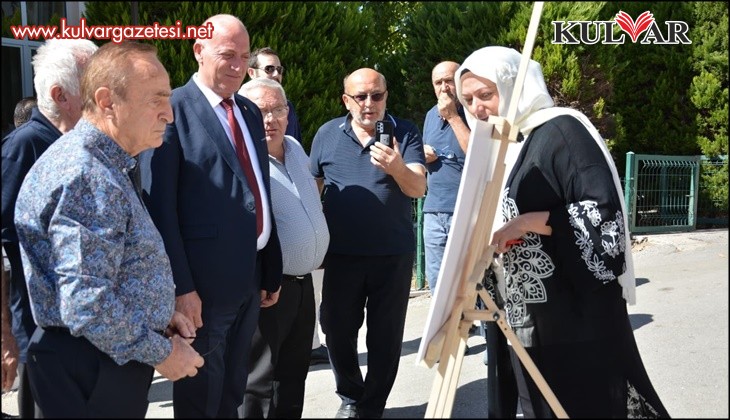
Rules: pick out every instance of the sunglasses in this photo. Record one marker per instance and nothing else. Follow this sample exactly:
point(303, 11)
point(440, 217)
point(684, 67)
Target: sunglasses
point(270, 69)
point(375, 97)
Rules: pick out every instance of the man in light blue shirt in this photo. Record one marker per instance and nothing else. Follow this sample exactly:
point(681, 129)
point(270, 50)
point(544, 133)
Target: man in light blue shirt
point(281, 346)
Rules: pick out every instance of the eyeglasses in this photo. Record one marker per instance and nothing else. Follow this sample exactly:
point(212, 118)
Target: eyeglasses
point(270, 69)
point(361, 98)
point(444, 153)
point(279, 112)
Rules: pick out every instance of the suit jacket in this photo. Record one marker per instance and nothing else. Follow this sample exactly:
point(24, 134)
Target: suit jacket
point(199, 199)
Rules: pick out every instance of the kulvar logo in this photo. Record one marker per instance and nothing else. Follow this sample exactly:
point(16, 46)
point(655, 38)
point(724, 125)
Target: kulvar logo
point(593, 32)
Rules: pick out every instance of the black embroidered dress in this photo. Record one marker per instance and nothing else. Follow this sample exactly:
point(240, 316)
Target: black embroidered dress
point(563, 298)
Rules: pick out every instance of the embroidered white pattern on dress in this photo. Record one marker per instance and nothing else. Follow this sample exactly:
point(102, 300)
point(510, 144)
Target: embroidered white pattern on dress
point(526, 265)
point(612, 237)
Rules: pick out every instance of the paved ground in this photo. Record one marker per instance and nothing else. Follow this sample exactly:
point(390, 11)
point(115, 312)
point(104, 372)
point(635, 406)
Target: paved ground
point(680, 322)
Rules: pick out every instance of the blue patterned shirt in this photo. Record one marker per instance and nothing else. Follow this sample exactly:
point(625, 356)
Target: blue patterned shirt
point(93, 260)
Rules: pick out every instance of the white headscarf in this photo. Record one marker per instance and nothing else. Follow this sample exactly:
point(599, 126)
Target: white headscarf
point(535, 107)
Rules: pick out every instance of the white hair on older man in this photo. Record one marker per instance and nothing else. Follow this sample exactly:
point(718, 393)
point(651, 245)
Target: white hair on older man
point(59, 62)
point(261, 82)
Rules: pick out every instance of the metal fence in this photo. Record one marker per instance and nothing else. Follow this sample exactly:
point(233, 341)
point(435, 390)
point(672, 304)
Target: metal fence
point(419, 264)
point(663, 193)
point(712, 204)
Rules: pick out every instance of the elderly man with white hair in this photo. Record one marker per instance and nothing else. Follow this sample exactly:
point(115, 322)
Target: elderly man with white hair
point(281, 346)
point(57, 65)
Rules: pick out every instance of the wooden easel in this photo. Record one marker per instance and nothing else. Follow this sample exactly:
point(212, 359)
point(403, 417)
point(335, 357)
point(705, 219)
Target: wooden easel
point(447, 346)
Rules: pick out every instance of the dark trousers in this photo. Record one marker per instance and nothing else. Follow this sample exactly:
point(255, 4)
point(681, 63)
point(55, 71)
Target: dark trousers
point(70, 377)
point(280, 353)
point(224, 341)
point(27, 407)
point(501, 385)
point(351, 284)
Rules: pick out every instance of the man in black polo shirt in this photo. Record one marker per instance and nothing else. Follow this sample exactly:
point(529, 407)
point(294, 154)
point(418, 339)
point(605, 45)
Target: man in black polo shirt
point(368, 189)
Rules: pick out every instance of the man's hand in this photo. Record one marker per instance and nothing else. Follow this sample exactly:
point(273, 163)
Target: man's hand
point(183, 361)
point(182, 326)
point(387, 159)
point(10, 351)
point(269, 299)
point(411, 178)
point(447, 105)
point(190, 306)
point(9, 358)
point(430, 153)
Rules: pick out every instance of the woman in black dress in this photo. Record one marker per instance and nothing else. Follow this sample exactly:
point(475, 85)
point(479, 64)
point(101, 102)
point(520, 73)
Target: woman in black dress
point(567, 283)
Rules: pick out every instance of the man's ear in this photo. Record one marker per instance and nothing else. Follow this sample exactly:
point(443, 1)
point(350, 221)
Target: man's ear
point(251, 72)
point(198, 52)
point(104, 100)
point(59, 96)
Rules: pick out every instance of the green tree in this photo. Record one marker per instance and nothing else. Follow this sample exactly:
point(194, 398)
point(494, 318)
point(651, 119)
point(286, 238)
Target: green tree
point(439, 31)
point(650, 86)
point(709, 94)
point(318, 43)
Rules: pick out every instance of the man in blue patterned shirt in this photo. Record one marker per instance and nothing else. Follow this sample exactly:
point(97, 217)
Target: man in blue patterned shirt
point(98, 277)
point(57, 68)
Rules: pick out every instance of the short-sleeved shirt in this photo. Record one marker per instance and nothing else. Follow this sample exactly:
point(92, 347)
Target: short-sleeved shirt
point(444, 174)
point(300, 224)
point(366, 211)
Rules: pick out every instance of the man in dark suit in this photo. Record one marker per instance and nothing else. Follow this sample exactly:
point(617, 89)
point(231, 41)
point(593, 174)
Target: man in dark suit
point(207, 189)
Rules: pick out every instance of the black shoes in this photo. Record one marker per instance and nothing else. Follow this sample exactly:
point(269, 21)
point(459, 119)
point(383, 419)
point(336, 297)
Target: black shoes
point(320, 355)
point(347, 411)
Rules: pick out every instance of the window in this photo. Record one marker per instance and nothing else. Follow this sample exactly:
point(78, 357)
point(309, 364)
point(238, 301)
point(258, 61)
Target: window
point(17, 71)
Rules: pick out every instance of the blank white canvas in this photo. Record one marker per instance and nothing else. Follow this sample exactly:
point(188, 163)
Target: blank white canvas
point(479, 166)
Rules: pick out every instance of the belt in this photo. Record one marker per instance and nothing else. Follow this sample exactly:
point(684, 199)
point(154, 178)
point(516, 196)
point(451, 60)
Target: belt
point(297, 279)
point(57, 329)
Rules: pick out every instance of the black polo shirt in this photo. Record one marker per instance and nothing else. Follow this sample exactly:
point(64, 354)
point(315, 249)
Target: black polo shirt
point(366, 211)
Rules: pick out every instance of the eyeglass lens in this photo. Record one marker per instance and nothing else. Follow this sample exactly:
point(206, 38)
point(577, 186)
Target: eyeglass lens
point(448, 154)
point(375, 97)
point(276, 112)
point(270, 69)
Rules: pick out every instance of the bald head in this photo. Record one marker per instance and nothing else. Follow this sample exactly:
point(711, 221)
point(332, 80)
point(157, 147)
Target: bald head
point(442, 77)
point(444, 67)
point(223, 25)
point(367, 76)
point(223, 59)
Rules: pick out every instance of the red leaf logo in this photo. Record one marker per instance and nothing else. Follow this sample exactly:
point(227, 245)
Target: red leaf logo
point(634, 29)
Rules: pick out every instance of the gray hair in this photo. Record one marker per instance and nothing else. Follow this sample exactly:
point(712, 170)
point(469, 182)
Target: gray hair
point(59, 62)
point(261, 83)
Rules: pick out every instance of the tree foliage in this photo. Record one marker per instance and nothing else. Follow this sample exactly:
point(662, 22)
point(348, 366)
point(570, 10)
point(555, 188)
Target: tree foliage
point(645, 98)
point(308, 36)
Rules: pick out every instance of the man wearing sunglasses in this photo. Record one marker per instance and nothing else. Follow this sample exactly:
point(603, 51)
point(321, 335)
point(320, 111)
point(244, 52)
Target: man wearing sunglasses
point(368, 188)
point(264, 62)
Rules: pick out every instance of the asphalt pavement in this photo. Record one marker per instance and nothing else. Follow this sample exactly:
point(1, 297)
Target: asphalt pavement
point(680, 322)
